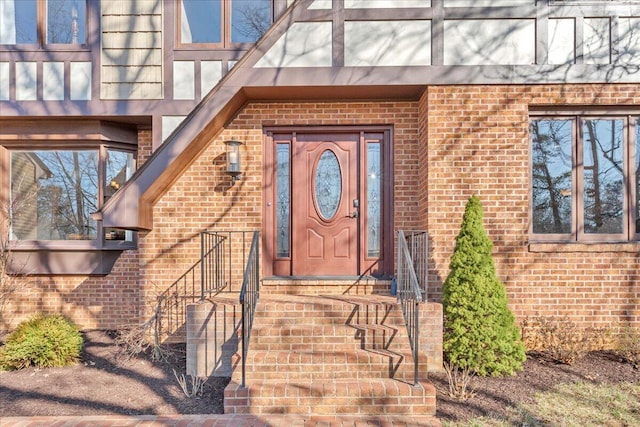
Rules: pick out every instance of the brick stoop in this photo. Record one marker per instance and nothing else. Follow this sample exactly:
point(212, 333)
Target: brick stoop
point(335, 354)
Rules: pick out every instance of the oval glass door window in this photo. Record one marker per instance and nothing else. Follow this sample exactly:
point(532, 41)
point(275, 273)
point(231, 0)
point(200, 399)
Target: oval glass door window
point(328, 185)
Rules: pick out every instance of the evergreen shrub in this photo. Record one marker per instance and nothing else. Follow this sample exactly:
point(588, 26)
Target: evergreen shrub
point(480, 333)
point(42, 342)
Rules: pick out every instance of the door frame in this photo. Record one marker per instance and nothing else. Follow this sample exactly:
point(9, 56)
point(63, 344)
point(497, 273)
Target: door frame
point(282, 266)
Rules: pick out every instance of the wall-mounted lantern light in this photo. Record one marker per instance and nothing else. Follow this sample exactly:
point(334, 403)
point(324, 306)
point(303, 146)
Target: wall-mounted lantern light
point(233, 159)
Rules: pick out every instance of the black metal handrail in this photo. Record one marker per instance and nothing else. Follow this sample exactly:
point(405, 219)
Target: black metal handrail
point(418, 245)
point(171, 309)
point(249, 295)
point(410, 297)
point(223, 256)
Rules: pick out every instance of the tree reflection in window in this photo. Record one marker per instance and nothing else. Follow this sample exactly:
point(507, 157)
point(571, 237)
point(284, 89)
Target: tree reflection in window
point(223, 21)
point(250, 19)
point(603, 176)
point(551, 175)
point(54, 193)
point(58, 22)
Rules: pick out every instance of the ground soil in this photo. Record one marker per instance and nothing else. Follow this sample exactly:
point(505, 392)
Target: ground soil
point(106, 382)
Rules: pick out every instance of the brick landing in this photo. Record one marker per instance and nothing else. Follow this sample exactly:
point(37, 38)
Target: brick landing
point(222, 421)
point(336, 354)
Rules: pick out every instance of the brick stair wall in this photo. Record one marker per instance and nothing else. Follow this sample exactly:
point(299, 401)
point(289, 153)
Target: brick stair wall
point(330, 355)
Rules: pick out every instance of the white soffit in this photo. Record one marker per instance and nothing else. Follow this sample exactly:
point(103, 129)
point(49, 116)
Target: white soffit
point(629, 46)
point(387, 43)
point(562, 41)
point(385, 4)
point(80, 73)
point(489, 42)
point(210, 75)
point(184, 80)
point(321, 4)
point(305, 44)
point(169, 124)
point(4, 81)
point(53, 81)
point(487, 3)
point(597, 41)
point(26, 81)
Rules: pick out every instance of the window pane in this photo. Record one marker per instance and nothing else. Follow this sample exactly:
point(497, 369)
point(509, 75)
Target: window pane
point(374, 199)
point(551, 176)
point(66, 21)
point(53, 194)
point(637, 175)
point(18, 22)
point(249, 20)
point(603, 176)
point(118, 169)
point(200, 22)
point(328, 185)
point(283, 202)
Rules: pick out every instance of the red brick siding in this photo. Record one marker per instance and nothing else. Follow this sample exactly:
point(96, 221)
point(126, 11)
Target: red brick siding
point(478, 144)
point(203, 198)
point(454, 142)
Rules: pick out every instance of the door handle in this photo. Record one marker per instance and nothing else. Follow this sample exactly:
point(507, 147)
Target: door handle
point(354, 214)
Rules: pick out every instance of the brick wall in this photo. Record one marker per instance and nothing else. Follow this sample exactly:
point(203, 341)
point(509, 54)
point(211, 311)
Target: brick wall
point(454, 142)
point(203, 198)
point(478, 144)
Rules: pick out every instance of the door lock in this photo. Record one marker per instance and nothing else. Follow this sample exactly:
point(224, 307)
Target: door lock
point(356, 212)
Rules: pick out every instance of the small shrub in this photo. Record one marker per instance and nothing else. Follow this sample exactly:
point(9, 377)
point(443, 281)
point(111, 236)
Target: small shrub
point(459, 380)
point(561, 339)
point(628, 345)
point(42, 342)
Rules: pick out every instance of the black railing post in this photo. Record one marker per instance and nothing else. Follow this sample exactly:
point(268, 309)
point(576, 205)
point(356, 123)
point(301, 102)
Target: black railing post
point(409, 293)
point(203, 236)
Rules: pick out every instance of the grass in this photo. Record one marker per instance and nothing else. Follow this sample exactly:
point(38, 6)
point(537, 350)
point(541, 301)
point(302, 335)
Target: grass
point(578, 404)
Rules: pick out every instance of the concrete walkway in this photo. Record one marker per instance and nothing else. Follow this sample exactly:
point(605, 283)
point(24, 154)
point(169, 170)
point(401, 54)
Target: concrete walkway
point(222, 420)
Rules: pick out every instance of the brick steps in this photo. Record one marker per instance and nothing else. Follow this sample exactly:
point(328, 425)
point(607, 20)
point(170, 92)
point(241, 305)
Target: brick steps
point(327, 365)
point(322, 337)
point(337, 354)
point(348, 396)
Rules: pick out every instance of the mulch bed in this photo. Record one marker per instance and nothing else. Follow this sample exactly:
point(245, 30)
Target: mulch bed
point(105, 383)
point(494, 395)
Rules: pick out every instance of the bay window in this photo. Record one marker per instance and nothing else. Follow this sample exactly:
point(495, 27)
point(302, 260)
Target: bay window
point(585, 178)
point(55, 191)
point(43, 22)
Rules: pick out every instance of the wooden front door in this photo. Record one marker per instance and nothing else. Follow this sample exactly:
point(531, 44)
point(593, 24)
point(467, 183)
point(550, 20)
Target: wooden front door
point(328, 203)
point(325, 213)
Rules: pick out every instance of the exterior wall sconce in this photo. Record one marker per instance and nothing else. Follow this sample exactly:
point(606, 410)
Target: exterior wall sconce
point(233, 159)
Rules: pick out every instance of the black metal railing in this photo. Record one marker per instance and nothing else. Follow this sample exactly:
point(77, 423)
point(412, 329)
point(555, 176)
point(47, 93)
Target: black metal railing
point(223, 256)
point(171, 309)
point(410, 297)
point(249, 295)
point(418, 245)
